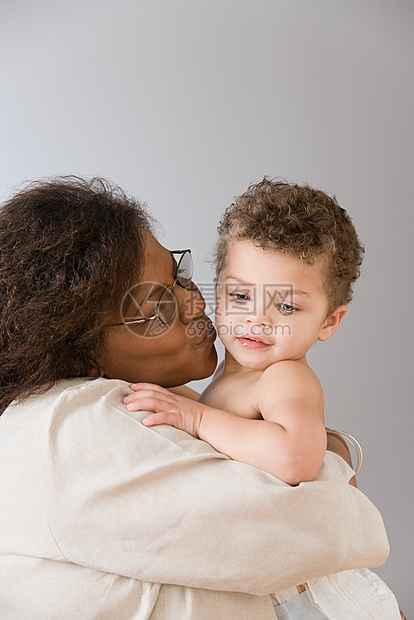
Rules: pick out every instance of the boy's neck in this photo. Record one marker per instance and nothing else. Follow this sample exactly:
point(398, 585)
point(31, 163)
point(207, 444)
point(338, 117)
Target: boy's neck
point(232, 367)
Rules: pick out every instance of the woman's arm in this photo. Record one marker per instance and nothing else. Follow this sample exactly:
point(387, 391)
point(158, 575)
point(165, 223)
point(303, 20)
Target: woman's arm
point(158, 505)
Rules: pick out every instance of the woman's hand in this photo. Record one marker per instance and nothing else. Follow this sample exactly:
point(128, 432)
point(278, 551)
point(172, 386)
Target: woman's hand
point(169, 408)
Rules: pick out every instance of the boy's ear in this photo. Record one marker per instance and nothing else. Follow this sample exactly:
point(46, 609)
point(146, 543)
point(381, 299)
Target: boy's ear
point(332, 323)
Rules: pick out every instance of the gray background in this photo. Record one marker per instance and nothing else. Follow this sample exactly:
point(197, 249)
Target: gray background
point(184, 103)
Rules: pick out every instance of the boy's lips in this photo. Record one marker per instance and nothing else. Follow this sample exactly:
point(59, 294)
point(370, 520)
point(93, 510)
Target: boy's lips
point(253, 342)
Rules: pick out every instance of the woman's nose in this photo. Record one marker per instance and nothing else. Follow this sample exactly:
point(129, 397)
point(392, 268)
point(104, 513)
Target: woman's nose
point(190, 302)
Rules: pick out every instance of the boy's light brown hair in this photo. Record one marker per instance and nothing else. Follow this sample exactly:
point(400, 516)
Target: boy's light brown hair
point(299, 221)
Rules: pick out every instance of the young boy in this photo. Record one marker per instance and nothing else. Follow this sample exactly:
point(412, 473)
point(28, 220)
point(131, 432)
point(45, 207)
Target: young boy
point(286, 258)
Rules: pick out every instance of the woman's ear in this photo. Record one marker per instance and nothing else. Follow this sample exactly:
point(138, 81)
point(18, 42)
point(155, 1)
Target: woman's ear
point(332, 323)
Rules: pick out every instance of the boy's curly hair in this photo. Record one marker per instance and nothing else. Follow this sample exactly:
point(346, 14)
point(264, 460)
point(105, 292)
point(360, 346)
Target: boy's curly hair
point(299, 221)
point(69, 249)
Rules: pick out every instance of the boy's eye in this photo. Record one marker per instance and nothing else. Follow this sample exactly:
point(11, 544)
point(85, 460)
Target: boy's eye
point(286, 308)
point(240, 297)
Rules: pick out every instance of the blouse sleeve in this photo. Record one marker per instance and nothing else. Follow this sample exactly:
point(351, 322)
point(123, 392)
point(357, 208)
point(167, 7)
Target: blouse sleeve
point(155, 504)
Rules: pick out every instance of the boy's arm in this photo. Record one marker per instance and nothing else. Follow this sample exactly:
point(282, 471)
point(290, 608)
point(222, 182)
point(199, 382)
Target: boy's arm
point(290, 441)
point(289, 395)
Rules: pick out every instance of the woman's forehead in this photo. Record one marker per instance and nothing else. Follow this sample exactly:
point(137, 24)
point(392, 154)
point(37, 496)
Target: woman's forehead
point(158, 261)
point(155, 276)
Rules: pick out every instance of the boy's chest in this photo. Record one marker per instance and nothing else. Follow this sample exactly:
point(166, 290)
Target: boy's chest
point(234, 394)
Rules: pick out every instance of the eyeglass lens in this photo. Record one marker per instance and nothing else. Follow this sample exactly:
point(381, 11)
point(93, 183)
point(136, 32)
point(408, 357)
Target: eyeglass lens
point(185, 269)
point(167, 305)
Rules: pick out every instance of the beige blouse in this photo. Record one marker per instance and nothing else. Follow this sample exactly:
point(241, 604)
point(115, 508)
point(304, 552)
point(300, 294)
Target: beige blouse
point(104, 518)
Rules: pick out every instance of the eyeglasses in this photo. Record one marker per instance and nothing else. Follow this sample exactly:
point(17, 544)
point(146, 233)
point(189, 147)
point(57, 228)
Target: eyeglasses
point(166, 306)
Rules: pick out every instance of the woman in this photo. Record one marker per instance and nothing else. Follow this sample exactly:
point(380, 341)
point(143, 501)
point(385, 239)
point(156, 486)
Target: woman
point(101, 517)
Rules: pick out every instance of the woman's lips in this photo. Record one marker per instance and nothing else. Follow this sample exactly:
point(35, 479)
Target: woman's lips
point(252, 343)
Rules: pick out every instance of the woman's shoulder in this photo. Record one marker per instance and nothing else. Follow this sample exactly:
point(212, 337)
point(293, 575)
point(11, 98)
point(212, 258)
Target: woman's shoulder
point(81, 395)
point(87, 397)
point(83, 388)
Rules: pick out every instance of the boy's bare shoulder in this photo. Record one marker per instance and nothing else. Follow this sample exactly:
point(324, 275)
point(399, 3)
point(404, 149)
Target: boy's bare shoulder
point(289, 375)
point(288, 368)
point(288, 386)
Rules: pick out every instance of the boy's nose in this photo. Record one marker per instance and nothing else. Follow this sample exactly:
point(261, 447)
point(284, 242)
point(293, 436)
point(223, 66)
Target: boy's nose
point(258, 317)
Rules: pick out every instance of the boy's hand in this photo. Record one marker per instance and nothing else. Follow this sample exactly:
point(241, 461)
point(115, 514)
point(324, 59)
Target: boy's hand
point(168, 408)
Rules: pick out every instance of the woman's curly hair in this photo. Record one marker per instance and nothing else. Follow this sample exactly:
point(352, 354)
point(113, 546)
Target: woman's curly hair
point(299, 221)
point(69, 249)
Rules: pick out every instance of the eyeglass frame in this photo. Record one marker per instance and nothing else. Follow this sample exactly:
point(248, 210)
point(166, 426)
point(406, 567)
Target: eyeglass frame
point(169, 287)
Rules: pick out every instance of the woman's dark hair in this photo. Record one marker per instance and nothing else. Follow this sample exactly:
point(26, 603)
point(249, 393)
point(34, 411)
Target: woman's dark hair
point(69, 250)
